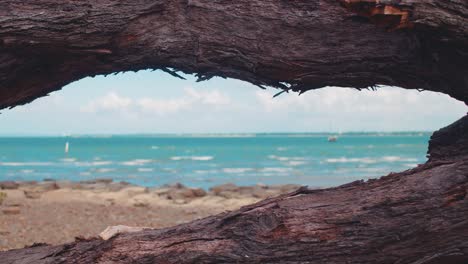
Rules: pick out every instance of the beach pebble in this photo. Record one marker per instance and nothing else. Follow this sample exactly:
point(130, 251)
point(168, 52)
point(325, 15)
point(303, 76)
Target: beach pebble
point(103, 180)
point(228, 187)
point(199, 192)
point(133, 191)
point(116, 186)
point(68, 185)
point(141, 203)
point(13, 210)
point(286, 188)
point(27, 184)
point(9, 185)
point(160, 191)
point(32, 194)
point(180, 201)
point(185, 193)
point(176, 185)
point(47, 186)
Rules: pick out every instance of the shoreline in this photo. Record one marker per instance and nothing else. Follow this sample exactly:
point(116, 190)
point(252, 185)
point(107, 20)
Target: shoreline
point(55, 212)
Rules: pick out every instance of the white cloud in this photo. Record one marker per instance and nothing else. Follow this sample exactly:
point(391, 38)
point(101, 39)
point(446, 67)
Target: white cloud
point(386, 100)
point(191, 99)
point(111, 102)
point(387, 109)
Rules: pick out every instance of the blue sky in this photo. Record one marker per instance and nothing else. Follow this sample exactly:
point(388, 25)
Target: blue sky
point(155, 102)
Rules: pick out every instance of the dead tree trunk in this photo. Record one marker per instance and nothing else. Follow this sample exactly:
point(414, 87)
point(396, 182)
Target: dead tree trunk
point(293, 45)
point(417, 216)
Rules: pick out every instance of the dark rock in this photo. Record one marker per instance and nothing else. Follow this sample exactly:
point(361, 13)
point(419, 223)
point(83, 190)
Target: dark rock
point(225, 187)
point(32, 194)
point(68, 185)
point(104, 180)
point(180, 201)
point(141, 204)
point(198, 192)
point(9, 185)
point(48, 186)
point(13, 210)
point(116, 186)
point(185, 193)
point(176, 185)
point(27, 183)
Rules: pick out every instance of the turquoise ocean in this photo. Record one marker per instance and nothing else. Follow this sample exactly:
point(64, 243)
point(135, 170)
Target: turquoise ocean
point(207, 160)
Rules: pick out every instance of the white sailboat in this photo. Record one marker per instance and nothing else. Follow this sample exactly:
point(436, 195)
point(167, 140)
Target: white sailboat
point(332, 138)
point(67, 146)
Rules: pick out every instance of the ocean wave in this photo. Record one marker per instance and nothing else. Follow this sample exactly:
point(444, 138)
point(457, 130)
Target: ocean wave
point(199, 158)
point(236, 170)
point(351, 160)
point(205, 171)
point(145, 169)
point(136, 162)
point(154, 147)
point(276, 169)
point(27, 171)
point(104, 170)
point(296, 163)
point(68, 159)
point(280, 158)
point(398, 158)
point(19, 164)
point(92, 163)
point(371, 160)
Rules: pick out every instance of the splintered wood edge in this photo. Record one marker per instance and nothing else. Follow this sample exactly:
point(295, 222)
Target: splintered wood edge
point(112, 231)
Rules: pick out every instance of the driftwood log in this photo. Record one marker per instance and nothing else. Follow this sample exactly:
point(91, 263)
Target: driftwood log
point(419, 216)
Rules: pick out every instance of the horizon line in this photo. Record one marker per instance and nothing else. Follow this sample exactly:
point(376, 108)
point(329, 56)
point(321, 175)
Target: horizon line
point(205, 133)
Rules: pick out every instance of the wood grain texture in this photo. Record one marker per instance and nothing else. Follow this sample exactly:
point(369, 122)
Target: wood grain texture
point(294, 45)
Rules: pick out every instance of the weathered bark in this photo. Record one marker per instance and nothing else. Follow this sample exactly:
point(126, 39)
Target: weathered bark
point(417, 216)
point(294, 45)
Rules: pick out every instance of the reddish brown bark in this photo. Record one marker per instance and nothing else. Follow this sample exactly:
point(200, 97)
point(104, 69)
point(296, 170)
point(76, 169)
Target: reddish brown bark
point(294, 45)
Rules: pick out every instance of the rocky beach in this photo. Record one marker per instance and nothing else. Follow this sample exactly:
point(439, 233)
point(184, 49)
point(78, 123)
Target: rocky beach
point(56, 212)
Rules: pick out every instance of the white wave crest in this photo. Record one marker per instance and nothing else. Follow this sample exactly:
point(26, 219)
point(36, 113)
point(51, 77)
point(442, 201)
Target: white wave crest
point(199, 158)
point(236, 170)
point(145, 169)
point(25, 164)
point(93, 163)
point(136, 162)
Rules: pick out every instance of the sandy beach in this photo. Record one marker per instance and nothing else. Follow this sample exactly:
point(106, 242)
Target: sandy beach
point(56, 212)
